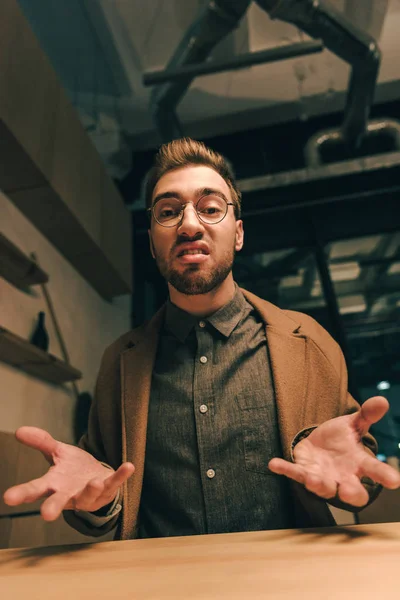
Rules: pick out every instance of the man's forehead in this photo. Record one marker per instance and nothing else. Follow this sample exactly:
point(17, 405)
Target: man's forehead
point(188, 179)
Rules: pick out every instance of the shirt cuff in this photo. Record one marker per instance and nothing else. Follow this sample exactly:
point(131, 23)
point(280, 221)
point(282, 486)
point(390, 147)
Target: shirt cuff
point(98, 521)
point(301, 436)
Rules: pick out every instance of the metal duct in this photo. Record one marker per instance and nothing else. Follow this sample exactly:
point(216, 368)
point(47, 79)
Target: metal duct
point(319, 20)
point(215, 21)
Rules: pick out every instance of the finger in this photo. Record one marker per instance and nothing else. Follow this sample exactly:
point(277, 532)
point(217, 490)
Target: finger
point(351, 491)
point(88, 497)
point(26, 492)
point(380, 473)
point(114, 481)
point(324, 488)
point(290, 470)
point(371, 412)
point(99, 492)
point(52, 508)
point(36, 438)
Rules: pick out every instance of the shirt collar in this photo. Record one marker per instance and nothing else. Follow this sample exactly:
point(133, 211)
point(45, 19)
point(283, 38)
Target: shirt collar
point(227, 318)
point(180, 323)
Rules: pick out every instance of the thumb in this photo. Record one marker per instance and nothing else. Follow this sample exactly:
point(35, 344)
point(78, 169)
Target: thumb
point(39, 439)
point(371, 412)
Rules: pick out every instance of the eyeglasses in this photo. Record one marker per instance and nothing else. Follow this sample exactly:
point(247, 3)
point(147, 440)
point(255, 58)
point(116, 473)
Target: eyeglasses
point(210, 209)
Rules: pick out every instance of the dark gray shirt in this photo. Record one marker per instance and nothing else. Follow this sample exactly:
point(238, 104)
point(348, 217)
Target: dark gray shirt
point(212, 428)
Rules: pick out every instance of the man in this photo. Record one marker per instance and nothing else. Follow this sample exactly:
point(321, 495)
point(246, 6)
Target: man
point(214, 398)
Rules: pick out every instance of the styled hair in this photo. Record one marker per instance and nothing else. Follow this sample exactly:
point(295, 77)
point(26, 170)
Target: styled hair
point(186, 152)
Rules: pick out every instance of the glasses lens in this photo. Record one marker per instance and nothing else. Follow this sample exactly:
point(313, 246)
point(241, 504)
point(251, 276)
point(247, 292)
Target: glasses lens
point(167, 211)
point(211, 209)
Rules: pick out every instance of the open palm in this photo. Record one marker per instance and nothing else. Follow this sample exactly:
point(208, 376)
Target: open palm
point(332, 459)
point(75, 480)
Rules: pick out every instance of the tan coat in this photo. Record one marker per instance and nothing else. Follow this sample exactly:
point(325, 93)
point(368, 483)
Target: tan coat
point(310, 379)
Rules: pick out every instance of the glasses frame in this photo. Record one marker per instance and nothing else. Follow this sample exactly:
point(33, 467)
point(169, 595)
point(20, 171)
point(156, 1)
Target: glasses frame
point(150, 211)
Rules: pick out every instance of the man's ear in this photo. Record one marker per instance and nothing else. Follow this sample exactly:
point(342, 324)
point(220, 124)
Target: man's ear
point(239, 235)
point(151, 244)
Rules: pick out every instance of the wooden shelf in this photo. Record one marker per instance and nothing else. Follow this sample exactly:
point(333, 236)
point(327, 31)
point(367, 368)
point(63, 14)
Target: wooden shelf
point(19, 353)
point(17, 268)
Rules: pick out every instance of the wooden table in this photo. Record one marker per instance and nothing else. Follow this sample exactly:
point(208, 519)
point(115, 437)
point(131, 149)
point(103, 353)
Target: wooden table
point(340, 563)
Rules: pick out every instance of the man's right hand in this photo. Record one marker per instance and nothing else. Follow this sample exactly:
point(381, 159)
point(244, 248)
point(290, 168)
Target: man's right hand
point(75, 480)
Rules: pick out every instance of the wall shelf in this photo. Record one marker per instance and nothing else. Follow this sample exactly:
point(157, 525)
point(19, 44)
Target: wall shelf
point(19, 353)
point(18, 268)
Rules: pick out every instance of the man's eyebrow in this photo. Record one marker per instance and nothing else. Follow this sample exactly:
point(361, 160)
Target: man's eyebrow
point(167, 195)
point(211, 192)
point(198, 193)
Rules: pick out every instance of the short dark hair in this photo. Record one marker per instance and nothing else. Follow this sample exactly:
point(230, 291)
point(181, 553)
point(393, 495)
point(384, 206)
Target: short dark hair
point(185, 152)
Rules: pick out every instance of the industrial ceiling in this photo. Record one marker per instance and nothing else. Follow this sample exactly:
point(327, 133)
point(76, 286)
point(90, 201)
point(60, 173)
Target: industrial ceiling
point(102, 48)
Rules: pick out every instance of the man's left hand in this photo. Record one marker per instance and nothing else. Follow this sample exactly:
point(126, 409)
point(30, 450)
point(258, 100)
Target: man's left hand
point(332, 459)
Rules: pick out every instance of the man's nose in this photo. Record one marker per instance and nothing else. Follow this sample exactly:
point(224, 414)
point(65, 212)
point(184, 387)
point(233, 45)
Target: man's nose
point(190, 224)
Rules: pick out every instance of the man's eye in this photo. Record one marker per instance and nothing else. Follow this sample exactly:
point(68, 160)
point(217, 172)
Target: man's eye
point(210, 210)
point(167, 213)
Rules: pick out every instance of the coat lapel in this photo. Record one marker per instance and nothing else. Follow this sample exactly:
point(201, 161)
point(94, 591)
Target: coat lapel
point(287, 349)
point(288, 364)
point(137, 363)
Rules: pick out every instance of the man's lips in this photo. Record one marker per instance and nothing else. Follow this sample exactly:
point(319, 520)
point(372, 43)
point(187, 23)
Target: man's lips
point(192, 249)
point(194, 252)
point(193, 258)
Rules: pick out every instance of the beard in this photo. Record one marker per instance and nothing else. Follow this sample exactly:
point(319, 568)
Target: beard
point(194, 280)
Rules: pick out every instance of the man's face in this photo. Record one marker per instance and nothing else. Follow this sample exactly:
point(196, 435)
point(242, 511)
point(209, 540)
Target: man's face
point(195, 257)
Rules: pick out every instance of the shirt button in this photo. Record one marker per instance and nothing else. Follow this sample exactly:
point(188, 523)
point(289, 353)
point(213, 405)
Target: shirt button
point(202, 324)
point(210, 473)
point(203, 408)
point(203, 359)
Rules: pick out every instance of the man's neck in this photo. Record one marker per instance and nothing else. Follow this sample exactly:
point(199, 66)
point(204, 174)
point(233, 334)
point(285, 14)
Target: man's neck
point(204, 305)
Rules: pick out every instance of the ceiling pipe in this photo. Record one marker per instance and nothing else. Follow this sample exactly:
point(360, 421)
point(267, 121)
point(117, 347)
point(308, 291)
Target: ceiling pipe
point(354, 46)
point(241, 61)
point(218, 18)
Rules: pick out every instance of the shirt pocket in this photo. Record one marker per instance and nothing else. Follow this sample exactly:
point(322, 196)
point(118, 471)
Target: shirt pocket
point(260, 431)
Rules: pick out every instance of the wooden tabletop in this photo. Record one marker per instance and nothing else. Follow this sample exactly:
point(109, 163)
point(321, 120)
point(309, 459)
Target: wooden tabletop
point(326, 564)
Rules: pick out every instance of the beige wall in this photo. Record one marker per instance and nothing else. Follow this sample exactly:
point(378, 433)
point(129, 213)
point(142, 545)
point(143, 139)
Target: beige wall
point(88, 324)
